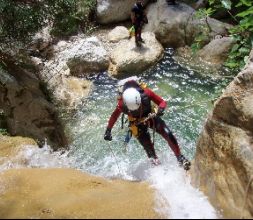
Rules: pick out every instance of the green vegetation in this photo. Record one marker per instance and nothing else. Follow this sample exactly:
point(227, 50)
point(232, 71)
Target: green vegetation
point(3, 131)
point(203, 37)
point(240, 13)
point(3, 124)
point(20, 19)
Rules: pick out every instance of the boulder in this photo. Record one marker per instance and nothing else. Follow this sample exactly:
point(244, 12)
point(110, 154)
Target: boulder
point(112, 11)
point(10, 146)
point(216, 52)
point(73, 91)
point(223, 166)
point(176, 26)
point(27, 107)
point(127, 59)
point(77, 58)
point(86, 56)
point(118, 33)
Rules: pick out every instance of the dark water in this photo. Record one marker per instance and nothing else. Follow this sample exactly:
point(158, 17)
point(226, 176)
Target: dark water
point(189, 95)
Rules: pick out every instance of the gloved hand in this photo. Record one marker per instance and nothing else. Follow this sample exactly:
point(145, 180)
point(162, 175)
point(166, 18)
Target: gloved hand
point(108, 134)
point(160, 111)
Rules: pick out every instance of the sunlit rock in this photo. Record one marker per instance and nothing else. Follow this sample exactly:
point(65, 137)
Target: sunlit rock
point(67, 193)
point(73, 91)
point(223, 166)
point(10, 146)
point(111, 11)
point(128, 59)
point(76, 58)
point(42, 39)
point(118, 33)
point(176, 26)
point(216, 52)
point(86, 56)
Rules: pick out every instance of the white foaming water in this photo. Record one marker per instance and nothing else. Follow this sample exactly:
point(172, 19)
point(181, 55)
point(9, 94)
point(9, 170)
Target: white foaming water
point(34, 157)
point(176, 198)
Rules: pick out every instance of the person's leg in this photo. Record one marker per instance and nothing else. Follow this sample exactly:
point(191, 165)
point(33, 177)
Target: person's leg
point(137, 27)
point(167, 134)
point(140, 38)
point(137, 32)
point(145, 140)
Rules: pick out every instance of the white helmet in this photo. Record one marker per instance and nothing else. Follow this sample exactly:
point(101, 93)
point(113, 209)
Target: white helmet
point(132, 99)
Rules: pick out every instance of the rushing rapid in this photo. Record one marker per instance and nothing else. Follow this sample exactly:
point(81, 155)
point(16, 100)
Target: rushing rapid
point(189, 95)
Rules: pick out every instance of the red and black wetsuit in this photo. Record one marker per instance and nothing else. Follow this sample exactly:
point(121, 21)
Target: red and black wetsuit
point(144, 138)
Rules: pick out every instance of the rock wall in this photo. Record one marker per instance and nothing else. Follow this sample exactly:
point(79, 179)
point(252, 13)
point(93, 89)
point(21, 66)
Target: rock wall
point(176, 26)
point(27, 108)
point(223, 166)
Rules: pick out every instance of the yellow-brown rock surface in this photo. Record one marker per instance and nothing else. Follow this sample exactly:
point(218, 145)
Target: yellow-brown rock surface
point(223, 166)
point(68, 193)
point(10, 146)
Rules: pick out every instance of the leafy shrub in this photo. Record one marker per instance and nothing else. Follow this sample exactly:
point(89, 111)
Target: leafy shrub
point(20, 19)
point(242, 32)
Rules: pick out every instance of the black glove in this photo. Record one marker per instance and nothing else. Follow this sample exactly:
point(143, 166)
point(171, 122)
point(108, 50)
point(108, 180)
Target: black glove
point(108, 134)
point(160, 111)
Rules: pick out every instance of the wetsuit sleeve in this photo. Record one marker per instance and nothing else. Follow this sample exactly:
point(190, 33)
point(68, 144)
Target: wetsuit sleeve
point(156, 99)
point(115, 115)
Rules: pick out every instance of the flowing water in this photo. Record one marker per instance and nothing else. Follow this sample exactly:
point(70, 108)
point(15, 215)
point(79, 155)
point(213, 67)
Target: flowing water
point(189, 95)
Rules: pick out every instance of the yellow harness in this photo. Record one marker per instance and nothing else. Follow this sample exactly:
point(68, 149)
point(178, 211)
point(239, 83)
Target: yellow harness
point(133, 125)
point(133, 122)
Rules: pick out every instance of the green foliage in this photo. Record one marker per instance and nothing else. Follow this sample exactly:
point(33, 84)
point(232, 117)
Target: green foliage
point(243, 35)
point(205, 29)
point(226, 4)
point(242, 32)
point(20, 19)
point(239, 53)
point(72, 16)
point(3, 131)
point(3, 124)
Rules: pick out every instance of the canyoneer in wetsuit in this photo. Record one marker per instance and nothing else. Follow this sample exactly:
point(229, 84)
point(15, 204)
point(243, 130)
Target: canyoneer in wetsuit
point(139, 18)
point(136, 102)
